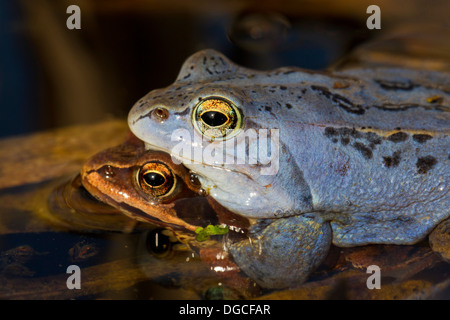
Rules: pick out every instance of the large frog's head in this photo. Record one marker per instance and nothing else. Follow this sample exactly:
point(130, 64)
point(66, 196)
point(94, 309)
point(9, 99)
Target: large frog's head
point(217, 120)
point(147, 186)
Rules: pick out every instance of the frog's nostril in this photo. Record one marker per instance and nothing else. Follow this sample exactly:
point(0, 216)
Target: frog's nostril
point(108, 172)
point(160, 114)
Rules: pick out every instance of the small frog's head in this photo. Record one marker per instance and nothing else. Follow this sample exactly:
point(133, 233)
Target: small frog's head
point(145, 185)
point(210, 120)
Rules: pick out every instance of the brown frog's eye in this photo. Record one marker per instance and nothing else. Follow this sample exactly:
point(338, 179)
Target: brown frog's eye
point(156, 179)
point(217, 118)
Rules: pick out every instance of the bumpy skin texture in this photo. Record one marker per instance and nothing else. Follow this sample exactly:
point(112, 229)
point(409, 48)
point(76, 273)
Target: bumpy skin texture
point(367, 150)
point(283, 253)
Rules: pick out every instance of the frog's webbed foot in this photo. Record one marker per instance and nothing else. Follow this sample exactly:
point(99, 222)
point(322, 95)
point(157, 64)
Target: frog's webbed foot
point(440, 240)
point(282, 253)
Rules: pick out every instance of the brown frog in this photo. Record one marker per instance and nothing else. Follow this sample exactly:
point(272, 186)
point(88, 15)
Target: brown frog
point(147, 186)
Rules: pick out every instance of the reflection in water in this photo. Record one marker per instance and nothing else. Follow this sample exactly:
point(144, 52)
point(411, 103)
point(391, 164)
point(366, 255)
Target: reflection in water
point(33, 262)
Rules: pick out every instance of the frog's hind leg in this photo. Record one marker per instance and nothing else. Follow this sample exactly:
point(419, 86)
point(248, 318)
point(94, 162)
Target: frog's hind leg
point(440, 240)
point(282, 253)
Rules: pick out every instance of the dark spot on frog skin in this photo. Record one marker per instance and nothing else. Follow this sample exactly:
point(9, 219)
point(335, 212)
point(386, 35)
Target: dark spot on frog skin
point(347, 133)
point(398, 137)
point(392, 161)
point(341, 101)
point(422, 138)
point(363, 149)
point(283, 87)
point(288, 105)
point(330, 131)
point(404, 107)
point(373, 138)
point(395, 85)
point(425, 163)
point(268, 109)
point(345, 140)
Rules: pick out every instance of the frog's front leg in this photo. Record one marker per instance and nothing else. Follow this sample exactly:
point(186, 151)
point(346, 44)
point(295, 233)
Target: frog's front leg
point(282, 253)
point(440, 240)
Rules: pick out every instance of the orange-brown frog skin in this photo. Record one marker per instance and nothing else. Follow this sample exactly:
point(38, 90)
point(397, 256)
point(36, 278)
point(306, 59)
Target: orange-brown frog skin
point(113, 177)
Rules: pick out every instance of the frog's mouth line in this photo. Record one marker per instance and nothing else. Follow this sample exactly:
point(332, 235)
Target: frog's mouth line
point(153, 147)
point(132, 211)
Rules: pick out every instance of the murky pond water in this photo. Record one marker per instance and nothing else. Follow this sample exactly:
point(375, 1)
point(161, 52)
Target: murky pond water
point(36, 252)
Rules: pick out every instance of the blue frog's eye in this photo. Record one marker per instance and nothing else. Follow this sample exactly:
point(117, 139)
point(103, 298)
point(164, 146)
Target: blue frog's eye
point(216, 118)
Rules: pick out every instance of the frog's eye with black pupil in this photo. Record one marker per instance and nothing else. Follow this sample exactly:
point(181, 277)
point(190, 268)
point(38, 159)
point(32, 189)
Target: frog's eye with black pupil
point(156, 179)
point(217, 118)
point(214, 118)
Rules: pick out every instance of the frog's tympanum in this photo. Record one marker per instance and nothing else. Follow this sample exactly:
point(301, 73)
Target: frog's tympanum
point(349, 157)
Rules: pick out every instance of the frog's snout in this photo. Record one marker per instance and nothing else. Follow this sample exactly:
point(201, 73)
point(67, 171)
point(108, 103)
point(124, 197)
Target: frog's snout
point(91, 166)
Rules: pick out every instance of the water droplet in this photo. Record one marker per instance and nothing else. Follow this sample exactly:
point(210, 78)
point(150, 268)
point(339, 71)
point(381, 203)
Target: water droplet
point(193, 178)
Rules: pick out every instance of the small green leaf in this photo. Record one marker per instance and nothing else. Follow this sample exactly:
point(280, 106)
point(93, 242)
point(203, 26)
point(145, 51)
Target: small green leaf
point(198, 230)
point(210, 230)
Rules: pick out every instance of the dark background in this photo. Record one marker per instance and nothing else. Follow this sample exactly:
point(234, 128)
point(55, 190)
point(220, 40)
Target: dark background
point(51, 76)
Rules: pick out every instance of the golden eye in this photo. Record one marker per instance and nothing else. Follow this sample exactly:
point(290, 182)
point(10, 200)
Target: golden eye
point(156, 179)
point(217, 118)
